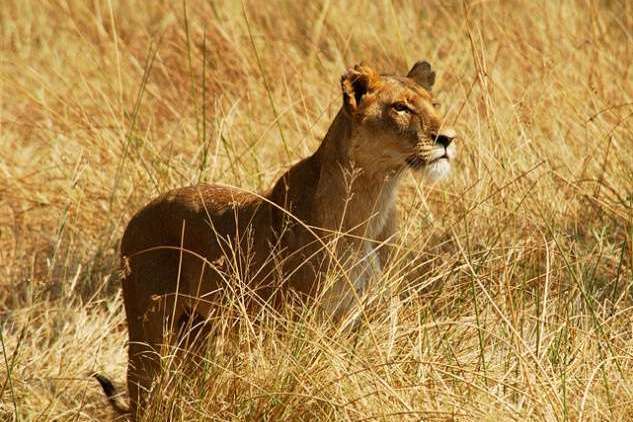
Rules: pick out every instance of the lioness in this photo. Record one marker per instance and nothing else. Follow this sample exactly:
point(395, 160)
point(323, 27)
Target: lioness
point(186, 248)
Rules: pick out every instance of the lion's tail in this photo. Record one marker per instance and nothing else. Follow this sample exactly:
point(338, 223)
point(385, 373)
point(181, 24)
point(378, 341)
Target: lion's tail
point(114, 398)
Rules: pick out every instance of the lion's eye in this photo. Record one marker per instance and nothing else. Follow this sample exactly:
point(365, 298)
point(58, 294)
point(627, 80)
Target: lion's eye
point(401, 107)
point(437, 104)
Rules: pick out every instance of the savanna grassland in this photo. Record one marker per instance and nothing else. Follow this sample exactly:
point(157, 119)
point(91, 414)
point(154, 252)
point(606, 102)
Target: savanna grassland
point(510, 297)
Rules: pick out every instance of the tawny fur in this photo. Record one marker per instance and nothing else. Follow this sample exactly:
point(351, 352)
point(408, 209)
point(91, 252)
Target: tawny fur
point(183, 252)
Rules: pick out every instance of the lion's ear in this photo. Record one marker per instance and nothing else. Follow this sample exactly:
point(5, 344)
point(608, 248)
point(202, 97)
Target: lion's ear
point(422, 74)
point(356, 83)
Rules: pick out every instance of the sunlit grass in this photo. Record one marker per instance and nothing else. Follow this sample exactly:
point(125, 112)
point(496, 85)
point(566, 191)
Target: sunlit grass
point(509, 298)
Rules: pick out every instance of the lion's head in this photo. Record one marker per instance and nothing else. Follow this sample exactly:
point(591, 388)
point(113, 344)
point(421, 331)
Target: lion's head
point(395, 122)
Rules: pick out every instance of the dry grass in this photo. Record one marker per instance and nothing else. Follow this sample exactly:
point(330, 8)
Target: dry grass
point(524, 309)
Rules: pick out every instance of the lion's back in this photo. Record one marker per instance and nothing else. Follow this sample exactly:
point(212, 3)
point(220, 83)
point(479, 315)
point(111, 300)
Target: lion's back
point(183, 215)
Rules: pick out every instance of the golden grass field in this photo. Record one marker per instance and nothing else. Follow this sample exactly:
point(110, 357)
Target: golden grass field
point(522, 307)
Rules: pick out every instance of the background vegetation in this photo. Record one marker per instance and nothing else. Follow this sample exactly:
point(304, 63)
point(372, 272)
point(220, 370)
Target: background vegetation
point(522, 309)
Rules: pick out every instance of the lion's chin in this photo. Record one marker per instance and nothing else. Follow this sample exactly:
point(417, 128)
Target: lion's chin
point(437, 169)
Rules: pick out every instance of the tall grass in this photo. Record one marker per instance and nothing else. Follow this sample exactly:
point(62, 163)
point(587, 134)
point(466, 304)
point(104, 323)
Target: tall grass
point(511, 299)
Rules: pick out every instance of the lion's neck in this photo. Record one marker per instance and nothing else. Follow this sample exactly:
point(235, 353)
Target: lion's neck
point(349, 197)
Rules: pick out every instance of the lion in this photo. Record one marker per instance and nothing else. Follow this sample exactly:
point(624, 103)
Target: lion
point(191, 247)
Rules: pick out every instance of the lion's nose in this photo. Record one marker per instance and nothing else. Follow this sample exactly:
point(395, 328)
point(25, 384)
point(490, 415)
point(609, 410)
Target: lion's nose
point(443, 140)
point(445, 137)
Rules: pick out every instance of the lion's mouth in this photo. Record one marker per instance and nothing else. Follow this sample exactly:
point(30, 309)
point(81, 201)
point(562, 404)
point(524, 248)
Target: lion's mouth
point(416, 162)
